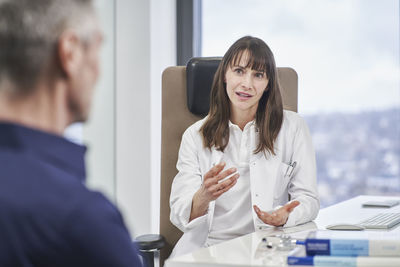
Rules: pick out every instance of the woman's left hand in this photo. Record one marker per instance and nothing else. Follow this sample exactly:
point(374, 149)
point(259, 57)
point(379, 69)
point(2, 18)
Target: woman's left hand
point(277, 217)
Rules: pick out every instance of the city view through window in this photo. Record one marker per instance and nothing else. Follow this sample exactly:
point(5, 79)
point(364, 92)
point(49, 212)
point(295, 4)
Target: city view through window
point(346, 54)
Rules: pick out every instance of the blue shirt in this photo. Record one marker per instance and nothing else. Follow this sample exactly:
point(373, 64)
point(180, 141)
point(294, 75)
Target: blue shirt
point(47, 215)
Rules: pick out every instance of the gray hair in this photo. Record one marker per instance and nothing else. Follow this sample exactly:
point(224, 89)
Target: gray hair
point(29, 30)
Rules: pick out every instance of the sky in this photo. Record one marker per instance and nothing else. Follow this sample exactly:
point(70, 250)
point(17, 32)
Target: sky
point(346, 52)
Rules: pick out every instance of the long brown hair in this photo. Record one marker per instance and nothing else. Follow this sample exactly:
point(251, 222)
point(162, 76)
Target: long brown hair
point(269, 114)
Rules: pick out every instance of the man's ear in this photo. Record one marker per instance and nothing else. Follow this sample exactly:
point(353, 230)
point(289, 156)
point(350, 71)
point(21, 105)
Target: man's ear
point(69, 53)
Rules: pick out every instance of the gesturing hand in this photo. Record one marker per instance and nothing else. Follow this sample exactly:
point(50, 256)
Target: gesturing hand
point(212, 188)
point(277, 217)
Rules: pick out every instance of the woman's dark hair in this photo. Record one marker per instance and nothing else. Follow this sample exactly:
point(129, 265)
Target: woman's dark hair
point(269, 114)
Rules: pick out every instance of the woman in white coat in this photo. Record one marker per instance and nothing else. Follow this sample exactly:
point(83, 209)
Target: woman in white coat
point(249, 163)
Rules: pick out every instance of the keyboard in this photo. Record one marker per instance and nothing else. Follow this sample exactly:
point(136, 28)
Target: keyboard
point(381, 221)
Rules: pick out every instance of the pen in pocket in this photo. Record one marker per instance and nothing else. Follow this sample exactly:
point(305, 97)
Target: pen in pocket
point(290, 168)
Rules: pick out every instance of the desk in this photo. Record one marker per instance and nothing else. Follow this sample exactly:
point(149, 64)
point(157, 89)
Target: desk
point(242, 251)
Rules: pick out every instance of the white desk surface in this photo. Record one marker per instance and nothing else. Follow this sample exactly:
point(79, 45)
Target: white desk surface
point(242, 251)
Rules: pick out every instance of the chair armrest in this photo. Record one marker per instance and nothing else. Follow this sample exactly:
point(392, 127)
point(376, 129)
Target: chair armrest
point(150, 242)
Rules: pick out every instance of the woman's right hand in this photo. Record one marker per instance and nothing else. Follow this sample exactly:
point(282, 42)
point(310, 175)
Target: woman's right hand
point(212, 188)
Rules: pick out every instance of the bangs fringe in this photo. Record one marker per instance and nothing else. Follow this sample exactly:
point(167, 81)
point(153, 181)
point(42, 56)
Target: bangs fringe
point(254, 62)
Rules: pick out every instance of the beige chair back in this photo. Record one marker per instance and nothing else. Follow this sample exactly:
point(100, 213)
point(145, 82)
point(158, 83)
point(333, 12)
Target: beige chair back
point(176, 117)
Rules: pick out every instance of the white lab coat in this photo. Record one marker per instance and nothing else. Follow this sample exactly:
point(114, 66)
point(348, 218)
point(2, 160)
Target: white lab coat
point(272, 180)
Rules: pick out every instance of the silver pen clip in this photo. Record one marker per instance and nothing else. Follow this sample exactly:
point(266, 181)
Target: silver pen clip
point(290, 168)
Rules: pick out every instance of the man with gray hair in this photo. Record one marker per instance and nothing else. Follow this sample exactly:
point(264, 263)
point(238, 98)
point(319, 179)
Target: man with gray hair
point(48, 69)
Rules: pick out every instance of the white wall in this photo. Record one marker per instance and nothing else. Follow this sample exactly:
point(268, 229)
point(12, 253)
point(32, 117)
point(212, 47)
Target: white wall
point(163, 55)
point(145, 45)
point(99, 132)
point(133, 113)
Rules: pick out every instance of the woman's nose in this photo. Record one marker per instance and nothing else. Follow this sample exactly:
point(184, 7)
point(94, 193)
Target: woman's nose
point(247, 81)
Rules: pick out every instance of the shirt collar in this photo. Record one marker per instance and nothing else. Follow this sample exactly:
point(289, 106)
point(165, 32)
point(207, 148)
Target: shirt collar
point(248, 125)
point(53, 149)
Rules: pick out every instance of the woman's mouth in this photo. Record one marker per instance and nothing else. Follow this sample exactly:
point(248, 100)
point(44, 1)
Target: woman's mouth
point(243, 95)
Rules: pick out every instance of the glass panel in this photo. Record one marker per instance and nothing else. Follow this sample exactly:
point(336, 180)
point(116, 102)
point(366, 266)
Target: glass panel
point(346, 53)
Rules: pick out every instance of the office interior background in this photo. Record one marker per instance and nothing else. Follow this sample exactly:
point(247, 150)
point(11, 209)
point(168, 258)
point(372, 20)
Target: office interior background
point(346, 54)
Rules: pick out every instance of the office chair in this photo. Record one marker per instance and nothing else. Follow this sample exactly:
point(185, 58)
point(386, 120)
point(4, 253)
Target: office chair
point(185, 100)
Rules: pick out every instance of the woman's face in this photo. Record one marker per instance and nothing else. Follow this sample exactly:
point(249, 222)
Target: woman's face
point(244, 86)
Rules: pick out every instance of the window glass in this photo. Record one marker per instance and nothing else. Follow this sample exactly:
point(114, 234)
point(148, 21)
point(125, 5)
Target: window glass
point(346, 53)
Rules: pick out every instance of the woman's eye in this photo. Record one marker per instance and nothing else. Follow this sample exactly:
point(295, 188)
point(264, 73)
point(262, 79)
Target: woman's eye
point(238, 71)
point(260, 75)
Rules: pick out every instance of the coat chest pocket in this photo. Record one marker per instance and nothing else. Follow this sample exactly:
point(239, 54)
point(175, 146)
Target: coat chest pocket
point(283, 177)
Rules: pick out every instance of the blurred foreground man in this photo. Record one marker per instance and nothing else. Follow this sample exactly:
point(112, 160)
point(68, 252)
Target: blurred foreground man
point(48, 68)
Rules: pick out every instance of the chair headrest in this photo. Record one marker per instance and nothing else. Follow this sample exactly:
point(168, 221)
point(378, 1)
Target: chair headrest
point(199, 77)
